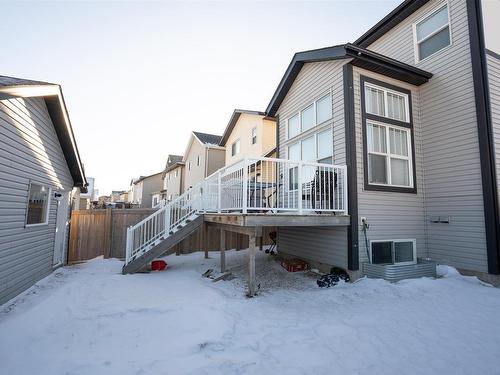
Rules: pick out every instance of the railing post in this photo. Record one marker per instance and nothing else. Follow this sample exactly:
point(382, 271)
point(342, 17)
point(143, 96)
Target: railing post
point(219, 192)
point(299, 191)
point(128, 245)
point(344, 186)
point(167, 220)
point(245, 185)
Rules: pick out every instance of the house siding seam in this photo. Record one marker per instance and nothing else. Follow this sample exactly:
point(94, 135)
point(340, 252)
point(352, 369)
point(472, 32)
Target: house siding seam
point(450, 146)
point(325, 245)
point(29, 151)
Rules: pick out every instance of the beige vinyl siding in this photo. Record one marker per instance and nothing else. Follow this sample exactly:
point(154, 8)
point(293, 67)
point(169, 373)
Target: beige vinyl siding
point(390, 215)
point(29, 150)
point(494, 86)
point(173, 186)
point(197, 173)
point(216, 159)
point(324, 245)
point(450, 147)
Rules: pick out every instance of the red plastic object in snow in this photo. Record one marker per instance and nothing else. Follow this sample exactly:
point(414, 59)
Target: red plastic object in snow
point(158, 265)
point(294, 265)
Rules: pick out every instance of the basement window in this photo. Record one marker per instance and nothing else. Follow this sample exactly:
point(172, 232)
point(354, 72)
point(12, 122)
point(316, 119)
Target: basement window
point(399, 252)
point(38, 205)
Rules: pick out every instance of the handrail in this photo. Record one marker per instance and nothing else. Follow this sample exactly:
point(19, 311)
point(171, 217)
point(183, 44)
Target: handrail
point(250, 185)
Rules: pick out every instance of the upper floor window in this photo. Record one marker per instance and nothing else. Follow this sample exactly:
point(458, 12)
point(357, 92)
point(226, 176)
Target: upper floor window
point(235, 147)
point(383, 102)
point(254, 136)
point(38, 204)
point(314, 114)
point(189, 165)
point(176, 173)
point(432, 33)
point(198, 160)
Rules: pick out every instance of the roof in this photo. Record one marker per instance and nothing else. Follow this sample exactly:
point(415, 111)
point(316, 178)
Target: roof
point(136, 181)
point(233, 120)
point(173, 161)
point(401, 12)
point(12, 81)
point(11, 87)
point(206, 138)
point(361, 57)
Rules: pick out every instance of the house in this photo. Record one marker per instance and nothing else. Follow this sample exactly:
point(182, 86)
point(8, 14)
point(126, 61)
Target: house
point(203, 156)
point(173, 178)
point(40, 173)
point(386, 154)
point(86, 199)
point(410, 107)
point(143, 189)
point(249, 134)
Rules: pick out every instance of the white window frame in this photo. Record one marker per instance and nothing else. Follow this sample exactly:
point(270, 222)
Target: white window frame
point(49, 201)
point(316, 123)
point(386, 102)
point(254, 135)
point(388, 155)
point(412, 240)
point(416, 42)
point(234, 144)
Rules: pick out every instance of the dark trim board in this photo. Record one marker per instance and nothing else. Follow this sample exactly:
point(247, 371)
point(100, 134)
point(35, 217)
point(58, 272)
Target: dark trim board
point(493, 54)
point(367, 116)
point(485, 134)
point(352, 176)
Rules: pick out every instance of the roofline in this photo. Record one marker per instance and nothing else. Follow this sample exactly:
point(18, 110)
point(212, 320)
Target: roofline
point(174, 166)
point(142, 178)
point(66, 138)
point(234, 119)
point(361, 57)
point(398, 14)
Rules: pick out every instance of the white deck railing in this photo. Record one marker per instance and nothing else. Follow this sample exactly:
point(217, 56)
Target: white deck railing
point(258, 185)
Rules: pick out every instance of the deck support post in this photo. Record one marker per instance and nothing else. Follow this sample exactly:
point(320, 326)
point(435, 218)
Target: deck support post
point(205, 239)
point(252, 249)
point(222, 250)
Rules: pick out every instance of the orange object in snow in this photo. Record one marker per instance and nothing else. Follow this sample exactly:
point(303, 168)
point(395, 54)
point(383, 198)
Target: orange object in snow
point(294, 265)
point(158, 265)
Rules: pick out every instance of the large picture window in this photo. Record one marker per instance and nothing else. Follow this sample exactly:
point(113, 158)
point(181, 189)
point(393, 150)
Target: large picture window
point(432, 34)
point(314, 114)
point(388, 137)
point(38, 204)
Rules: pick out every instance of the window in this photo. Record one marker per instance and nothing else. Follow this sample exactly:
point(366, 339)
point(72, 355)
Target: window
point(189, 165)
point(386, 103)
point(314, 114)
point(307, 118)
point(293, 126)
point(235, 147)
point(388, 155)
point(432, 33)
point(176, 173)
point(293, 154)
point(323, 109)
point(38, 204)
point(325, 147)
point(254, 136)
point(393, 252)
point(387, 133)
point(198, 161)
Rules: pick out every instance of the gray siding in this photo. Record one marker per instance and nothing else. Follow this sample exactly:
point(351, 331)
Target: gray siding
point(324, 245)
point(449, 140)
point(494, 83)
point(29, 150)
point(390, 215)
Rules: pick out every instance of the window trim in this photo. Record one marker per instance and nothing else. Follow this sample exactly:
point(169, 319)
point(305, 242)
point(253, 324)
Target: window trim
point(254, 129)
point(416, 43)
point(314, 103)
point(49, 201)
point(393, 241)
point(390, 122)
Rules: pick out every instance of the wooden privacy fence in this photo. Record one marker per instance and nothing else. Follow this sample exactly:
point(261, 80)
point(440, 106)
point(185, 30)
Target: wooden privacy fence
point(96, 233)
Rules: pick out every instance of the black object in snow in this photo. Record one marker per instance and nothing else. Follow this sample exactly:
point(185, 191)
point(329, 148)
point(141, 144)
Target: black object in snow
point(336, 274)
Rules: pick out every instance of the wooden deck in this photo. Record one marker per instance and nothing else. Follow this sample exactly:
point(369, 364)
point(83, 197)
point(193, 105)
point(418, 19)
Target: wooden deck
point(278, 220)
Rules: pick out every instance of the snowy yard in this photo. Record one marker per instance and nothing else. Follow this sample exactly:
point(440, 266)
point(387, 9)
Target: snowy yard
point(89, 319)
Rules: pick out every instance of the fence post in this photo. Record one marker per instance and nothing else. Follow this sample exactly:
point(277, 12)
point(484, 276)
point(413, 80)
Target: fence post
point(299, 191)
point(219, 192)
point(245, 185)
point(128, 245)
point(109, 233)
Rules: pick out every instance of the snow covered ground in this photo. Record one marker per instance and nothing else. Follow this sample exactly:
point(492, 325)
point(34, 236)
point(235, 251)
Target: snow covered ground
point(89, 319)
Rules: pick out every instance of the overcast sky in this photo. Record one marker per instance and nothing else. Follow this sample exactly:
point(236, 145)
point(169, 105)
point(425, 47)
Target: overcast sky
point(138, 77)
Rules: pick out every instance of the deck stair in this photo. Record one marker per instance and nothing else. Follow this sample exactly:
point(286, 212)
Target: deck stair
point(260, 185)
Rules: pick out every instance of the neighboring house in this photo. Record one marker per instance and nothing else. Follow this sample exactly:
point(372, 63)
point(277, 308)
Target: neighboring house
point(173, 178)
point(249, 134)
point(144, 188)
point(86, 199)
point(123, 197)
point(117, 195)
point(203, 157)
point(39, 169)
point(407, 108)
